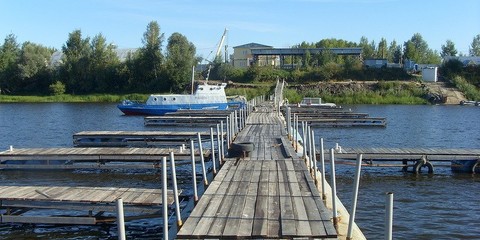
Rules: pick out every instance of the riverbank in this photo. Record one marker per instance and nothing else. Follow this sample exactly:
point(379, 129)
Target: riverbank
point(68, 98)
point(344, 92)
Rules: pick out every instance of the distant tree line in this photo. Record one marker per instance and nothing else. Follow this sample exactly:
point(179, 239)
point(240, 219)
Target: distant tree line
point(91, 65)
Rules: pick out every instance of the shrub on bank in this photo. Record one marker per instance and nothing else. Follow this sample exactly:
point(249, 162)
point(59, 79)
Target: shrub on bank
point(470, 91)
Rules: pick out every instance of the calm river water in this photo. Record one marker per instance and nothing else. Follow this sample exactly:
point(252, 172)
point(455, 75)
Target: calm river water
point(440, 206)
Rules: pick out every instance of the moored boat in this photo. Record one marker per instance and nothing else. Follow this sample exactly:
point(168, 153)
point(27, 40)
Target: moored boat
point(206, 97)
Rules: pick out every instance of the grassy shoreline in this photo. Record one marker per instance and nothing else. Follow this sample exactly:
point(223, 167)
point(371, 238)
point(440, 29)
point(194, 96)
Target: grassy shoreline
point(394, 92)
point(67, 98)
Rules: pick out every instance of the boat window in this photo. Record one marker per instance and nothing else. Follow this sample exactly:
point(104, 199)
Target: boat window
point(174, 99)
point(164, 99)
point(155, 99)
point(201, 88)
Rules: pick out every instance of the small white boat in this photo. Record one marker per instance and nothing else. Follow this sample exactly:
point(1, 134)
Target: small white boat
point(315, 102)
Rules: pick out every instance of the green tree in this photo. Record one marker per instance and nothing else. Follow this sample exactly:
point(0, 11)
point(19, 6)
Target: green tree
point(33, 69)
point(391, 51)
point(367, 50)
point(448, 49)
point(382, 50)
point(74, 71)
point(180, 58)
point(398, 55)
point(102, 63)
point(416, 49)
point(57, 88)
point(475, 46)
point(150, 60)
point(9, 55)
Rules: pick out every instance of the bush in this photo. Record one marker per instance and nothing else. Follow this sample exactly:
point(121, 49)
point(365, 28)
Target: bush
point(470, 91)
point(57, 88)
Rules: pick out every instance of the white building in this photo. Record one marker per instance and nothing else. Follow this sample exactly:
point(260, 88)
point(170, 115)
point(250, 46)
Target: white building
point(430, 74)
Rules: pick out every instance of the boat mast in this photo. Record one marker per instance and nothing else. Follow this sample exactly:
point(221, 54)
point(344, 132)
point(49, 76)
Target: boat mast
point(193, 77)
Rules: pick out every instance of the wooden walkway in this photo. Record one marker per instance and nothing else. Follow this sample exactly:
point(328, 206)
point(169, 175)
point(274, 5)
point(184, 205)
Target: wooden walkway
point(134, 138)
point(89, 158)
point(321, 116)
point(19, 199)
point(268, 194)
point(136, 196)
point(395, 154)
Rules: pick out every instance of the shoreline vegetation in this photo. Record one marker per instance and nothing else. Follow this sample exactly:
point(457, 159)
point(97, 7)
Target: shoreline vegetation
point(92, 70)
point(345, 92)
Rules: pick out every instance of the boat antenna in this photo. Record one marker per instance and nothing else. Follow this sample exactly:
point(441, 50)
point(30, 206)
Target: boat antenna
point(193, 77)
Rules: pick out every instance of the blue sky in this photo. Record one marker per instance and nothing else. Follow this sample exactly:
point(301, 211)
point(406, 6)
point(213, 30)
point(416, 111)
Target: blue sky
point(276, 23)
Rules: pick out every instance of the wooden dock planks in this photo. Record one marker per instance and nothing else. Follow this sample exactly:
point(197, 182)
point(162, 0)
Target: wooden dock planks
point(396, 154)
point(135, 196)
point(266, 195)
point(90, 158)
point(259, 199)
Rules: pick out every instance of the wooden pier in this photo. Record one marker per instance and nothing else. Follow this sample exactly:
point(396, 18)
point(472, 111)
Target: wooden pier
point(267, 194)
point(183, 120)
point(16, 200)
point(318, 116)
point(89, 158)
point(134, 138)
point(414, 158)
point(433, 154)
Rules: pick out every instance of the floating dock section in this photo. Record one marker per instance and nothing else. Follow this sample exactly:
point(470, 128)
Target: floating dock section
point(319, 116)
point(89, 158)
point(134, 138)
point(17, 201)
point(414, 159)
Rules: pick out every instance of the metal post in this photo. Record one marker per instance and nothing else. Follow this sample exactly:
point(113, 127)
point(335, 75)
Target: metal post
point(312, 153)
point(314, 157)
point(120, 220)
point(212, 142)
point(245, 117)
point(308, 146)
point(298, 134)
point(304, 141)
point(389, 216)
point(241, 119)
point(354, 197)
point(235, 122)
point(164, 198)
point(221, 140)
point(322, 162)
point(219, 146)
point(289, 127)
point(194, 172)
point(202, 160)
point(175, 191)
point(294, 132)
point(334, 188)
point(227, 130)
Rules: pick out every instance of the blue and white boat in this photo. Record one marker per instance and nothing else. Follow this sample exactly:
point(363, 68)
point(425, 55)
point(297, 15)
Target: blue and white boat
point(206, 97)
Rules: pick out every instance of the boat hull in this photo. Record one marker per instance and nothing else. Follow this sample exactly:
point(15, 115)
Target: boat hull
point(159, 110)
